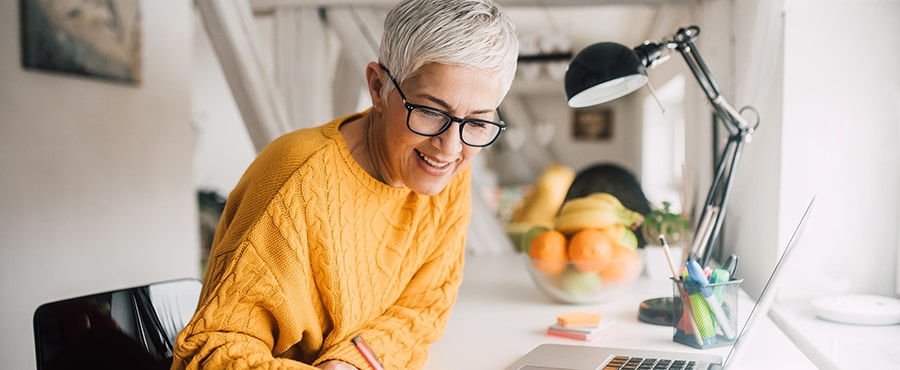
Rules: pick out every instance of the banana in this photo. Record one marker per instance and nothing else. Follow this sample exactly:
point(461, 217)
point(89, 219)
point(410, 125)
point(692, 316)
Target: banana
point(596, 211)
point(615, 232)
point(540, 205)
point(606, 197)
point(581, 204)
point(590, 203)
point(599, 218)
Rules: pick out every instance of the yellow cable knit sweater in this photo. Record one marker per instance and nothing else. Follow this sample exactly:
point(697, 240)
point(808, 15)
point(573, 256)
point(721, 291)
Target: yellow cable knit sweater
point(311, 251)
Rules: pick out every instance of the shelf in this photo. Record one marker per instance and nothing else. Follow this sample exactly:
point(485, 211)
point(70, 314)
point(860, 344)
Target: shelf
point(837, 346)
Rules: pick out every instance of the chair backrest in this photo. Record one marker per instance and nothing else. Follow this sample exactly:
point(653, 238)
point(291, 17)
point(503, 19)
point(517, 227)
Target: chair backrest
point(131, 328)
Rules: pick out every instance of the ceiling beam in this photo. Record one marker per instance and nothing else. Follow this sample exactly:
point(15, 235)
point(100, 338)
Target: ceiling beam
point(266, 6)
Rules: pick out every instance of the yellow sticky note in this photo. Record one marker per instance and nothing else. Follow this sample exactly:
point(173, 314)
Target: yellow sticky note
point(579, 319)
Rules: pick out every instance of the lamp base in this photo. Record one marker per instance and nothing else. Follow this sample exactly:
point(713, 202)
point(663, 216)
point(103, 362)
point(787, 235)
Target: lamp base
point(657, 311)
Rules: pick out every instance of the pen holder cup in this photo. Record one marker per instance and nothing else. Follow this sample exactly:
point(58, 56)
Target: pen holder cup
point(706, 316)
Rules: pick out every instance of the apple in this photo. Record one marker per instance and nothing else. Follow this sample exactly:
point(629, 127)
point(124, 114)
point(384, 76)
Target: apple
point(578, 283)
point(629, 239)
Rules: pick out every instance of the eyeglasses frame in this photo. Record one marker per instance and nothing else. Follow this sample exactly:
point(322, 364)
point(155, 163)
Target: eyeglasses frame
point(451, 118)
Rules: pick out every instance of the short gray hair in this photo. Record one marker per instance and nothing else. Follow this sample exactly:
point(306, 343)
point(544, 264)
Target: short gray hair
point(468, 33)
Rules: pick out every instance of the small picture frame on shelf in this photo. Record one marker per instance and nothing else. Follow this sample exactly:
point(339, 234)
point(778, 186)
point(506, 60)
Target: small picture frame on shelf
point(592, 124)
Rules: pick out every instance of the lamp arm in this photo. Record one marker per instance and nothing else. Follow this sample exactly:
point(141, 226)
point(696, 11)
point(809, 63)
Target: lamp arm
point(740, 133)
point(719, 190)
point(683, 41)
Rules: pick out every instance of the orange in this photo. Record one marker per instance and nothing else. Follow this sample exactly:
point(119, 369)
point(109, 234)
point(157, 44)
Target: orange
point(624, 251)
point(590, 249)
point(627, 261)
point(529, 235)
point(548, 252)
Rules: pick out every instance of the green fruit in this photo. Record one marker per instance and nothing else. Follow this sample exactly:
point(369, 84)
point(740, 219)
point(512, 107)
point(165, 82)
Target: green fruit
point(528, 237)
point(629, 239)
point(577, 282)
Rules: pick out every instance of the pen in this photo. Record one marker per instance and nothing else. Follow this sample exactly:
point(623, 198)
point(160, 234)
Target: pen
point(702, 234)
point(367, 352)
point(665, 246)
point(697, 275)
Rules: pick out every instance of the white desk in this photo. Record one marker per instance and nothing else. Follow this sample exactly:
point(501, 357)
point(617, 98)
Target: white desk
point(500, 315)
point(838, 346)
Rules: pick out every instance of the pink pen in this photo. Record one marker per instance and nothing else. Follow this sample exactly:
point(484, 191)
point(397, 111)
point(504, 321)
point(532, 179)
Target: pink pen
point(366, 352)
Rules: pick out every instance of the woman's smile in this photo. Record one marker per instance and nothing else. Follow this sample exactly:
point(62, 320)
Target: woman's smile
point(432, 161)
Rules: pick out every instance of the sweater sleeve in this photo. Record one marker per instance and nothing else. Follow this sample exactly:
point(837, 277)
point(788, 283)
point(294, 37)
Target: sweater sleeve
point(402, 335)
point(237, 324)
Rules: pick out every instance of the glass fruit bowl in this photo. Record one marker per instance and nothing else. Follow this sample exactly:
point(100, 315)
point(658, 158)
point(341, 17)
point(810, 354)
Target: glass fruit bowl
point(582, 282)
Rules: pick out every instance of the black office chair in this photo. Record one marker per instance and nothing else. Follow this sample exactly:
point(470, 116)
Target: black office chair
point(616, 180)
point(132, 328)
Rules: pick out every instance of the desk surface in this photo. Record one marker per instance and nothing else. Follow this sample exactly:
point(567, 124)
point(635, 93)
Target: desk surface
point(500, 315)
point(837, 346)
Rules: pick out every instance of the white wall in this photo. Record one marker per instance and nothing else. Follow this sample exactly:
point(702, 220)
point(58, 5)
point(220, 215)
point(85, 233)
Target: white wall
point(545, 101)
point(841, 140)
point(96, 190)
point(824, 77)
point(622, 148)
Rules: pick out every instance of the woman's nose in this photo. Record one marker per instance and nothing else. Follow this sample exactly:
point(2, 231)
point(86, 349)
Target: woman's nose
point(450, 141)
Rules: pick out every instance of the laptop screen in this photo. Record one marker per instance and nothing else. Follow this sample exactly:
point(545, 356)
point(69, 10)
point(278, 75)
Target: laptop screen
point(130, 328)
point(767, 296)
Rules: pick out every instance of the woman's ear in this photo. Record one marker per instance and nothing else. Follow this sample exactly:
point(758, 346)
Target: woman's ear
point(375, 82)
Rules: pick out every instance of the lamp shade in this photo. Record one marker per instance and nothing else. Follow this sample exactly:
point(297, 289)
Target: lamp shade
point(603, 72)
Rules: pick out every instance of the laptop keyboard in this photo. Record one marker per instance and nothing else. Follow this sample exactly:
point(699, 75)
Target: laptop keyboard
point(639, 363)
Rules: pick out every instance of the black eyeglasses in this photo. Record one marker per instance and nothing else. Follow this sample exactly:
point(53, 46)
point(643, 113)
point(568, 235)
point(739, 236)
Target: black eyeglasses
point(428, 121)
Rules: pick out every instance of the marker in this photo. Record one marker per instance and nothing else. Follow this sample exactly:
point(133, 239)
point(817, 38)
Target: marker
point(731, 264)
point(706, 326)
point(719, 276)
point(697, 275)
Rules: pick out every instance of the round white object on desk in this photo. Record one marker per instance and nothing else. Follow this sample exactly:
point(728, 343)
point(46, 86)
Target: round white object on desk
point(858, 309)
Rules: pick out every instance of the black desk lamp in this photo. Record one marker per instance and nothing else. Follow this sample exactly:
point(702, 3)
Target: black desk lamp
point(606, 71)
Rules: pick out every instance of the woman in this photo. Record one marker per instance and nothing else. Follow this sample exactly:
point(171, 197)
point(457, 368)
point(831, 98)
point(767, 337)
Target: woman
point(357, 227)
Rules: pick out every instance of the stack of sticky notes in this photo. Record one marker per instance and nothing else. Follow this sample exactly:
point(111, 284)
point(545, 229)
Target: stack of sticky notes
point(578, 325)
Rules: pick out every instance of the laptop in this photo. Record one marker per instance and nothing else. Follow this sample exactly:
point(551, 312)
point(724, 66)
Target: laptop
point(578, 357)
point(132, 328)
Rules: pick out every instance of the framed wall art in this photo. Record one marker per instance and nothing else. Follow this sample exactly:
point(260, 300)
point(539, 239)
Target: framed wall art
point(592, 124)
point(90, 38)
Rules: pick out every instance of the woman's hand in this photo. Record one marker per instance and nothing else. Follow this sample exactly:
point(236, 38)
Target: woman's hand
point(336, 365)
